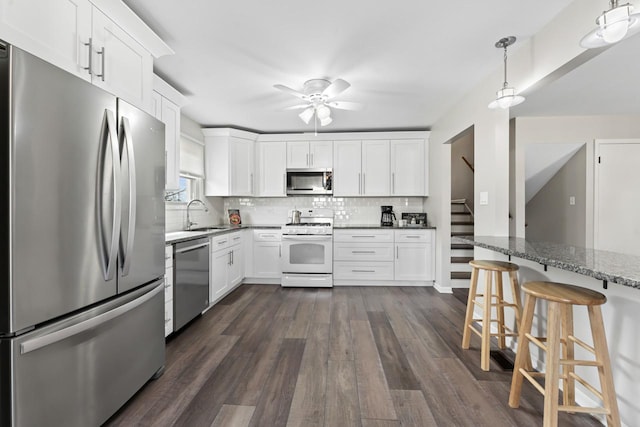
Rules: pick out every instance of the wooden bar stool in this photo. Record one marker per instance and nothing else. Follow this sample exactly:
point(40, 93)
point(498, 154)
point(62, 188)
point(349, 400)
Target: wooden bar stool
point(561, 298)
point(491, 268)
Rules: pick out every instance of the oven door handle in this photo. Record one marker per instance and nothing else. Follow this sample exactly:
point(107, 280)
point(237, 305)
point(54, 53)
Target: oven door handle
point(306, 238)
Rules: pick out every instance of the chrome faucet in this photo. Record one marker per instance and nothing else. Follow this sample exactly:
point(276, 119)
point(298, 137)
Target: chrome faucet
point(189, 222)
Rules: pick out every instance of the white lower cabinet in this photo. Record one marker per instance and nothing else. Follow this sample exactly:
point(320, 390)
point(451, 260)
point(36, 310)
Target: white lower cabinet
point(168, 290)
point(377, 256)
point(414, 255)
point(267, 251)
point(227, 264)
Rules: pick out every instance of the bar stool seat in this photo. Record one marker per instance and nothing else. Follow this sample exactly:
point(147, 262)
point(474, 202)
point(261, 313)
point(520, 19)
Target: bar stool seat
point(486, 302)
point(561, 298)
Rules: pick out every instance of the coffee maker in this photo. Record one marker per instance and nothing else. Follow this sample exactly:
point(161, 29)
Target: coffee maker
point(387, 218)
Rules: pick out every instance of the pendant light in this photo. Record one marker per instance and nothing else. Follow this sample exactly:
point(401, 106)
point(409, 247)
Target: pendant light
point(614, 25)
point(506, 97)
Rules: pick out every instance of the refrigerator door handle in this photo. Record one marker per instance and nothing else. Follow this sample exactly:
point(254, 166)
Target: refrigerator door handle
point(128, 145)
point(108, 141)
point(62, 334)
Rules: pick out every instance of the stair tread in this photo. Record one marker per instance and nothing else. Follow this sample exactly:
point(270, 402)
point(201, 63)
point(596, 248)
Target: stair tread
point(461, 275)
point(461, 246)
point(461, 233)
point(461, 222)
point(461, 259)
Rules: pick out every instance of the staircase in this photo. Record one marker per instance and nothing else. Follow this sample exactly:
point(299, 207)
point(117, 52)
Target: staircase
point(461, 225)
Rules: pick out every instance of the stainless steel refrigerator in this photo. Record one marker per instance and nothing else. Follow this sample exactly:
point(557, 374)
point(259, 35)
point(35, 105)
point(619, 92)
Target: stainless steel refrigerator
point(82, 256)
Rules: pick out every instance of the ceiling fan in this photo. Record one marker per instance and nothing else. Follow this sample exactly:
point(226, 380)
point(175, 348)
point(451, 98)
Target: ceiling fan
point(318, 95)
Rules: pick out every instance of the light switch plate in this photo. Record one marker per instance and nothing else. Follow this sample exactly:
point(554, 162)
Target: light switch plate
point(572, 200)
point(484, 197)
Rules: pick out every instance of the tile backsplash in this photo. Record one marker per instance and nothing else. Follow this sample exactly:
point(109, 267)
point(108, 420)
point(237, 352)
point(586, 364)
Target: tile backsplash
point(347, 210)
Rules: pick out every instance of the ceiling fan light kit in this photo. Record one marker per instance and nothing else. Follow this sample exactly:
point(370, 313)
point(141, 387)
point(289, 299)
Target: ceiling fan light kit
point(506, 97)
point(615, 24)
point(318, 95)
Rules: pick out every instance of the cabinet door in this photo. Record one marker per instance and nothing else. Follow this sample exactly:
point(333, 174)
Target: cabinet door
point(54, 30)
point(266, 260)
point(170, 116)
point(407, 167)
point(271, 160)
point(321, 154)
point(241, 162)
point(298, 154)
point(413, 261)
point(220, 261)
point(236, 269)
point(375, 168)
point(156, 105)
point(120, 64)
point(346, 171)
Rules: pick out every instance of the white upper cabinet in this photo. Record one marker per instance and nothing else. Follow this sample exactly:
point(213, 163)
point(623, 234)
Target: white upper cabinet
point(408, 167)
point(347, 168)
point(271, 169)
point(57, 31)
point(120, 64)
point(313, 154)
point(228, 162)
point(361, 168)
point(166, 104)
point(375, 168)
point(101, 41)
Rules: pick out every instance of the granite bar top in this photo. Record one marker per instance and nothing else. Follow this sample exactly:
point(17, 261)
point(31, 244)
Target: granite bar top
point(623, 269)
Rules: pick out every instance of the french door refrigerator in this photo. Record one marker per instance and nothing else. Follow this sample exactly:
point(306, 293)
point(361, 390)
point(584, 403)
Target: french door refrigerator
point(82, 256)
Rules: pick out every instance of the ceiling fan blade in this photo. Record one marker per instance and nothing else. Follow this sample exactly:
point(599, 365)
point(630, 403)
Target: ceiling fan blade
point(297, 107)
point(291, 91)
point(343, 105)
point(334, 89)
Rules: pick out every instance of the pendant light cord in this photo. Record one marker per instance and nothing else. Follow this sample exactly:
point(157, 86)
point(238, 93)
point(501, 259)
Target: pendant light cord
point(505, 68)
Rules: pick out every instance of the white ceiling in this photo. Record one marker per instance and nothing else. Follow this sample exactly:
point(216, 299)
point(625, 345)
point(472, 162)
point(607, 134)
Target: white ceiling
point(407, 61)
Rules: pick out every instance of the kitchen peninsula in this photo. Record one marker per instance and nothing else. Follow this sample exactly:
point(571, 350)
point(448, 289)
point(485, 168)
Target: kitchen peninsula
point(615, 275)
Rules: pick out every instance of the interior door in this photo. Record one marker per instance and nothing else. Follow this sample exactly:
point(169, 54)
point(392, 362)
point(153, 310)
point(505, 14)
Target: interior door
point(57, 145)
point(141, 138)
point(616, 196)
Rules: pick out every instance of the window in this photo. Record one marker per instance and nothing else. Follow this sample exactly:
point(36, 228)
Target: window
point(191, 171)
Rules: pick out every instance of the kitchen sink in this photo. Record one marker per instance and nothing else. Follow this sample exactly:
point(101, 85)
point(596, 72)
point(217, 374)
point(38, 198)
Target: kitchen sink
point(220, 227)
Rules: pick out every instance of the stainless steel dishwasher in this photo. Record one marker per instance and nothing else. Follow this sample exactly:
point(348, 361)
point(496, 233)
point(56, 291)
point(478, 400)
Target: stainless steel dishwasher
point(191, 286)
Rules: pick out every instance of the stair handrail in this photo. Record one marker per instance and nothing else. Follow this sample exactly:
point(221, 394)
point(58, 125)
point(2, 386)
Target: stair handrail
point(469, 164)
point(464, 202)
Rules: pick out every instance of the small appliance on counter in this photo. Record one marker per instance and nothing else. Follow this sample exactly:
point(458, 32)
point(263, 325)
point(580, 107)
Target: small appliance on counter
point(418, 219)
point(387, 218)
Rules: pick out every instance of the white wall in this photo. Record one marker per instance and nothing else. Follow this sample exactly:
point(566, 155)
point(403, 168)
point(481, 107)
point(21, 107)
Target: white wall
point(560, 130)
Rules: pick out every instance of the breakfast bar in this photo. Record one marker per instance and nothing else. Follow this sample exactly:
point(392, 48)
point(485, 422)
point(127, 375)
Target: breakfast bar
point(615, 275)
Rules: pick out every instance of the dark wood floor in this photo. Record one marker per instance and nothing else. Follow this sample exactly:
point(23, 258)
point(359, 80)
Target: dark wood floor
point(268, 356)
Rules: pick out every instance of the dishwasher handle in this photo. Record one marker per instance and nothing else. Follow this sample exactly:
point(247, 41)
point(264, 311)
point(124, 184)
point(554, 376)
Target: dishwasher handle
point(191, 248)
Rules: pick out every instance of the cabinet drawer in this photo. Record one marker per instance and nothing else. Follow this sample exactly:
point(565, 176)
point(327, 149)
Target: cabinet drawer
point(168, 256)
point(168, 317)
point(413, 236)
point(168, 284)
point(363, 252)
point(220, 242)
point(362, 270)
point(267, 235)
point(363, 236)
point(235, 238)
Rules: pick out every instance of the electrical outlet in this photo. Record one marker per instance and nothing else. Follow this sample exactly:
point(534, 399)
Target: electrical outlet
point(572, 200)
point(484, 197)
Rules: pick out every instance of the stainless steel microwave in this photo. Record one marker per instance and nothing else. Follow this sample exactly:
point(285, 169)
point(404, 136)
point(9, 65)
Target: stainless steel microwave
point(309, 181)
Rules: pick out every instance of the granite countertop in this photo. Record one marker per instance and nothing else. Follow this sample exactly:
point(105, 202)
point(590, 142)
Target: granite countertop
point(614, 267)
point(379, 227)
point(183, 235)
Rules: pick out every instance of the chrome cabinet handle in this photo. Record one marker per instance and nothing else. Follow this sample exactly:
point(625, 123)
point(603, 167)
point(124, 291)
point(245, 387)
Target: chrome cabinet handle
point(279, 251)
point(364, 186)
point(397, 252)
point(90, 46)
point(363, 235)
point(363, 271)
point(359, 183)
point(363, 252)
point(191, 248)
point(393, 183)
point(307, 159)
point(101, 75)
point(284, 183)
